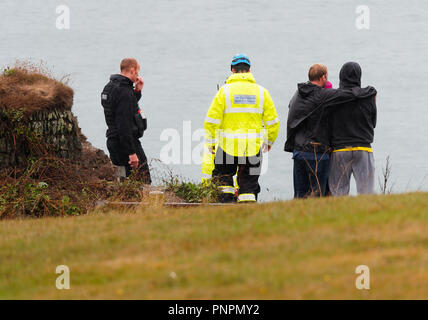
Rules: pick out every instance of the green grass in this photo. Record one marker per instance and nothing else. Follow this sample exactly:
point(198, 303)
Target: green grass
point(285, 250)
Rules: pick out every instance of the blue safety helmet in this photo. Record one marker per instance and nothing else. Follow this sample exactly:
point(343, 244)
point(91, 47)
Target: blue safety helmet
point(240, 58)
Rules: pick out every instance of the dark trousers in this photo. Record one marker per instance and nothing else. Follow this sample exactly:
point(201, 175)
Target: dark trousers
point(310, 177)
point(226, 166)
point(119, 158)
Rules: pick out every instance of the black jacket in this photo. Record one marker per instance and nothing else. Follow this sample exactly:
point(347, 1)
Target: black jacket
point(353, 123)
point(120, 104)
point(309, 109)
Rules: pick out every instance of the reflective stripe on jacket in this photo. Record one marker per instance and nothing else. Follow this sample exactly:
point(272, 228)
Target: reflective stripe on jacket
point(207, 163)
point(242, 117)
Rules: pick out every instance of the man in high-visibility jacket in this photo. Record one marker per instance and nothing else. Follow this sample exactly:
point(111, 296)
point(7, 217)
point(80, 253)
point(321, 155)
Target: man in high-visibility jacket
point(243, 121)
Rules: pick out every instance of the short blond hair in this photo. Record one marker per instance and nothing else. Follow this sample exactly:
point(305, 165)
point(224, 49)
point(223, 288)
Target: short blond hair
point(128, 63)
point(317, 71)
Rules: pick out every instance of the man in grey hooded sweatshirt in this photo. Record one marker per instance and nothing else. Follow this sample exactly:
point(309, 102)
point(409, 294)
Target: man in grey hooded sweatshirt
point(351, 134)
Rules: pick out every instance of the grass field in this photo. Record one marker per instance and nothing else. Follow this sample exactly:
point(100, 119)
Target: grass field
point(285, 250)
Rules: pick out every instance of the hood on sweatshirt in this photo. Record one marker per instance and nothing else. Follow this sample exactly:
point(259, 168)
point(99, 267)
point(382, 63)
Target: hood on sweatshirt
point(350, 75)
point(306, 88)
point(120, 78)
point(350, 78)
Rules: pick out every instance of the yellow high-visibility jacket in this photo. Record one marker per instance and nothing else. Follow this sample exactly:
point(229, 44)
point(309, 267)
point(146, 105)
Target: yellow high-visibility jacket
point(208, 166)
point(242, 117)
point(207, 163)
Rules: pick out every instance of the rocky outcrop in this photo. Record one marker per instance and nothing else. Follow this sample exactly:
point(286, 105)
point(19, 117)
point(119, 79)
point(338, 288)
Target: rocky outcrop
point(52, 131)
point(35, 117)
point(60, 130)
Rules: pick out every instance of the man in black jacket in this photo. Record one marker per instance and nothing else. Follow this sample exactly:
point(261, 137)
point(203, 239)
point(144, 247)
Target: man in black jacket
point(308, 131)
point(125, 121)
point(352, 132)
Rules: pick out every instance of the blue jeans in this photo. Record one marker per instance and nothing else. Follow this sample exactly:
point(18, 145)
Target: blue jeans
point(310, 177)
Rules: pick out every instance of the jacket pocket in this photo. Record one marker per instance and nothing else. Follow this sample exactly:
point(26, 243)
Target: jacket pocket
point(141, 125)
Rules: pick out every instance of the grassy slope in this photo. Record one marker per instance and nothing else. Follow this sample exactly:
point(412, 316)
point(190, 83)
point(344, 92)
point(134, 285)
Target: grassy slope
point(295, 249)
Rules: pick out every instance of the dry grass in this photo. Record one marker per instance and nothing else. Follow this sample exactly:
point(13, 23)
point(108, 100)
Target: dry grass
point(287, 250)
point(30, 87)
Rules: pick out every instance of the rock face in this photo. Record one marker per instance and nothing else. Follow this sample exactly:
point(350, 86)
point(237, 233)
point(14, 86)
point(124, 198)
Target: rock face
point(59, 130)
point(35, 117)
point(56, 131)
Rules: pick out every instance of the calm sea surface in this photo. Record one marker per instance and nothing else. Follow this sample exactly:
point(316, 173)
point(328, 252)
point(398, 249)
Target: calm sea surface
point(185, 48)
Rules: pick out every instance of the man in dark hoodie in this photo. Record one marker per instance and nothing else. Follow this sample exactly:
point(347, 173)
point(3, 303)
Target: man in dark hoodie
point(126, 123)
point(352, 132)
point(308, 132)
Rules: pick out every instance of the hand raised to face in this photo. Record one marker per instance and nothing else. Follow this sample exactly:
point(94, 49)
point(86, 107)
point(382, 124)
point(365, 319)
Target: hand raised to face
point(139, 84)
